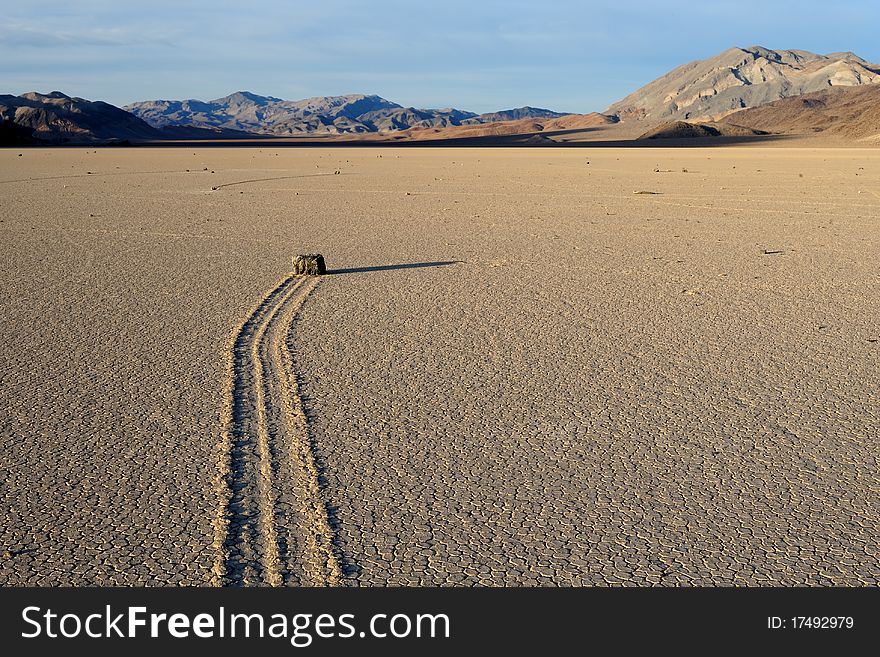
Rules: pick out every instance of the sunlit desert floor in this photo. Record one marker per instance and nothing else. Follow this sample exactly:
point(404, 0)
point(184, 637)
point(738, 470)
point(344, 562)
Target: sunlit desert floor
point(519, 372)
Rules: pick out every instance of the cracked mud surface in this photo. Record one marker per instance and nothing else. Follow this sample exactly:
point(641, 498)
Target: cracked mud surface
point(577, 384)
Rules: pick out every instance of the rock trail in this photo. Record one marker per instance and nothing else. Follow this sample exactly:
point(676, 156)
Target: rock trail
point(272, 527)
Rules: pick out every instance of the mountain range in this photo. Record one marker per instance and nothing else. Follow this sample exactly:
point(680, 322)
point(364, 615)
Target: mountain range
point(351, 114)
point(753, 89)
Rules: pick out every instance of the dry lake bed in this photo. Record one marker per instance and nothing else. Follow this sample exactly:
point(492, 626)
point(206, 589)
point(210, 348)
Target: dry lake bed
point(569, 366)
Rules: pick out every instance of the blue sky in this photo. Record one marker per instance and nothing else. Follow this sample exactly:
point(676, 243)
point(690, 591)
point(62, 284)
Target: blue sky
point(481, 56)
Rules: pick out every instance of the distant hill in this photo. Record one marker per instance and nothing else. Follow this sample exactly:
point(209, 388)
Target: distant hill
point(526, 126)
point(580, 121)
point(845, 112)
point(741, 77)
point(350, 114)
point(685, 130)
point(58, 118)
point(515, 114)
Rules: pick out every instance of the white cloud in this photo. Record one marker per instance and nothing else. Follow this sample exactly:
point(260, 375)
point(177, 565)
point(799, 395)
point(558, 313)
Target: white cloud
point(22, 33)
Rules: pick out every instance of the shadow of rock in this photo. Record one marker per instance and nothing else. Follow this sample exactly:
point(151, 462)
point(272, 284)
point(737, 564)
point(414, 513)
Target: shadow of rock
point(408, 265)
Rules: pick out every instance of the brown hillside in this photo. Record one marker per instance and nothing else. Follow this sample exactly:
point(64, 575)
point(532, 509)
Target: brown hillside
point(505, 128)
point(845, 112)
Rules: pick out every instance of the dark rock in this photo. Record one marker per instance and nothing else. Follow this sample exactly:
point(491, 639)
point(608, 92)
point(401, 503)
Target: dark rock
point(309, 265)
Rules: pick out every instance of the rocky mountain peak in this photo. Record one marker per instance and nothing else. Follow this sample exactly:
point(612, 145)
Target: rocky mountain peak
point(741, 77)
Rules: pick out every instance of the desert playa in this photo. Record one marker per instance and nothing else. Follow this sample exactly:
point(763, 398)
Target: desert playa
point(526, 366)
